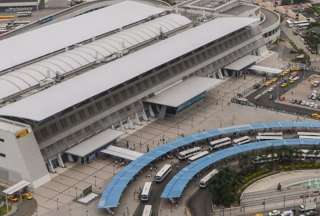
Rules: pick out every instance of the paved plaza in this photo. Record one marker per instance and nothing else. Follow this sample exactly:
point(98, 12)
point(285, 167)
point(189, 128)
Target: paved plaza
point(57, 197)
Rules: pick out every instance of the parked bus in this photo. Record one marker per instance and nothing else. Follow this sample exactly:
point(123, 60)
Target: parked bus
point(205, 180)
point(188, 153)
point(146, 191)
point(308, 133)
point(147, 210)
point(269, 137)
point(198, 155)
point(270, 134)
point(24, 13)
point(293, 23)
point(162, 173)
point(309, 137)
point(225, 140)
point(242, 140)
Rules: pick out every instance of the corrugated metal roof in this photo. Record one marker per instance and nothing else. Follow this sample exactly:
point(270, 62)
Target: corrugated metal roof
point(34, 44)
point(66, 62)
point(71, 92)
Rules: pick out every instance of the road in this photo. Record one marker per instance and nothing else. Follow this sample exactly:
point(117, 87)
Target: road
point(264, 101)
point(200, 203)
point(157, 189)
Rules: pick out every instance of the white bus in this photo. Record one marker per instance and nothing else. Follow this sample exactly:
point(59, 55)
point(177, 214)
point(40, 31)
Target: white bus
point(270, 134)
point(147, 210)
point(242, 140)
point(269, 137)
point(188, 153)
point(162, 173)
point(293, 23)
point(146, 191)
point(205, 180)
point(198, 155)
point(309, 137)
point(221, 145)
point(24, 13)
point(308, 133)
point(225, 140)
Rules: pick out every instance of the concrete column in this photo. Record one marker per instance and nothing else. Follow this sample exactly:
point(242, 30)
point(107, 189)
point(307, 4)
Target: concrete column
point(60, 161)
point(151, 111)
point(50, 166)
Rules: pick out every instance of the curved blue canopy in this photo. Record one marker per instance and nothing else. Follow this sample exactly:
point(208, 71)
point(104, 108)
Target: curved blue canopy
point(177, 184)
point(111, 195)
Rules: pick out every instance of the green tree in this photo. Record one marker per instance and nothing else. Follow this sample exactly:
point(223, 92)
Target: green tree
point(223, 187)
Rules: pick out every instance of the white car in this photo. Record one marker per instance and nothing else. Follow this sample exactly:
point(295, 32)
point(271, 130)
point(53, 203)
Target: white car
point(270, 89)
point(287, 213)
point(274, 213)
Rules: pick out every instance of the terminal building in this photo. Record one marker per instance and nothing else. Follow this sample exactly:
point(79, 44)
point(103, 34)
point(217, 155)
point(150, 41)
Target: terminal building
point(61, 86)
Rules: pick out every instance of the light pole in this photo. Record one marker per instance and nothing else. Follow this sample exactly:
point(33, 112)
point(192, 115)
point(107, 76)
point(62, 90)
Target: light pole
point(57, 203)
point(95, 180)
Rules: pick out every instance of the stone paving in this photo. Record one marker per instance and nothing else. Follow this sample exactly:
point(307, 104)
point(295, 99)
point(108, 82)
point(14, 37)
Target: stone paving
point(56, 197)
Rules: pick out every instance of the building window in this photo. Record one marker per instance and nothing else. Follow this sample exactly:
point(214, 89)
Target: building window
point(2, 155)
point(1, 140)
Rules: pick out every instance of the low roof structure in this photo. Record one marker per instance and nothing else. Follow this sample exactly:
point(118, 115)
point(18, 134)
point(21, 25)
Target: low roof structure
point(264, 69)
point(124, 153)
point(184, 91)
point(242, 63)
point(48, 39)
point(94, 143)
point(16, 188)
point(40, 106)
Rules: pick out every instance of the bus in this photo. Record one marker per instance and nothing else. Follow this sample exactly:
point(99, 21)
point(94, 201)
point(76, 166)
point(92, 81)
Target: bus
point(205, 180)
point(162, 173)
point(270, 134)
point(292, 23)
point(269, 137)
point(226, 141)
point(198, 155)
point(147, 210)
point(146, 191)
point(24, 13)
point(188, 153)
point(242, 140)
point(308, 133)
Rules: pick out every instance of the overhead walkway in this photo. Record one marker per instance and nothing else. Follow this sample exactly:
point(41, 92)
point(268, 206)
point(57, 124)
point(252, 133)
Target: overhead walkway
point(178, 183)
point(123, 153)
point(112, 194)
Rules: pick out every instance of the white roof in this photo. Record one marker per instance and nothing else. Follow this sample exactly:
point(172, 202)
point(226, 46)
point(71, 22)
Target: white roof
point(264, 69)
point(184, 91)
point(242, 63)
point(121, 152)
point(93, 143)
point(39, 42)
point(66, 62)
point(71, 92)
point(16, 188)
